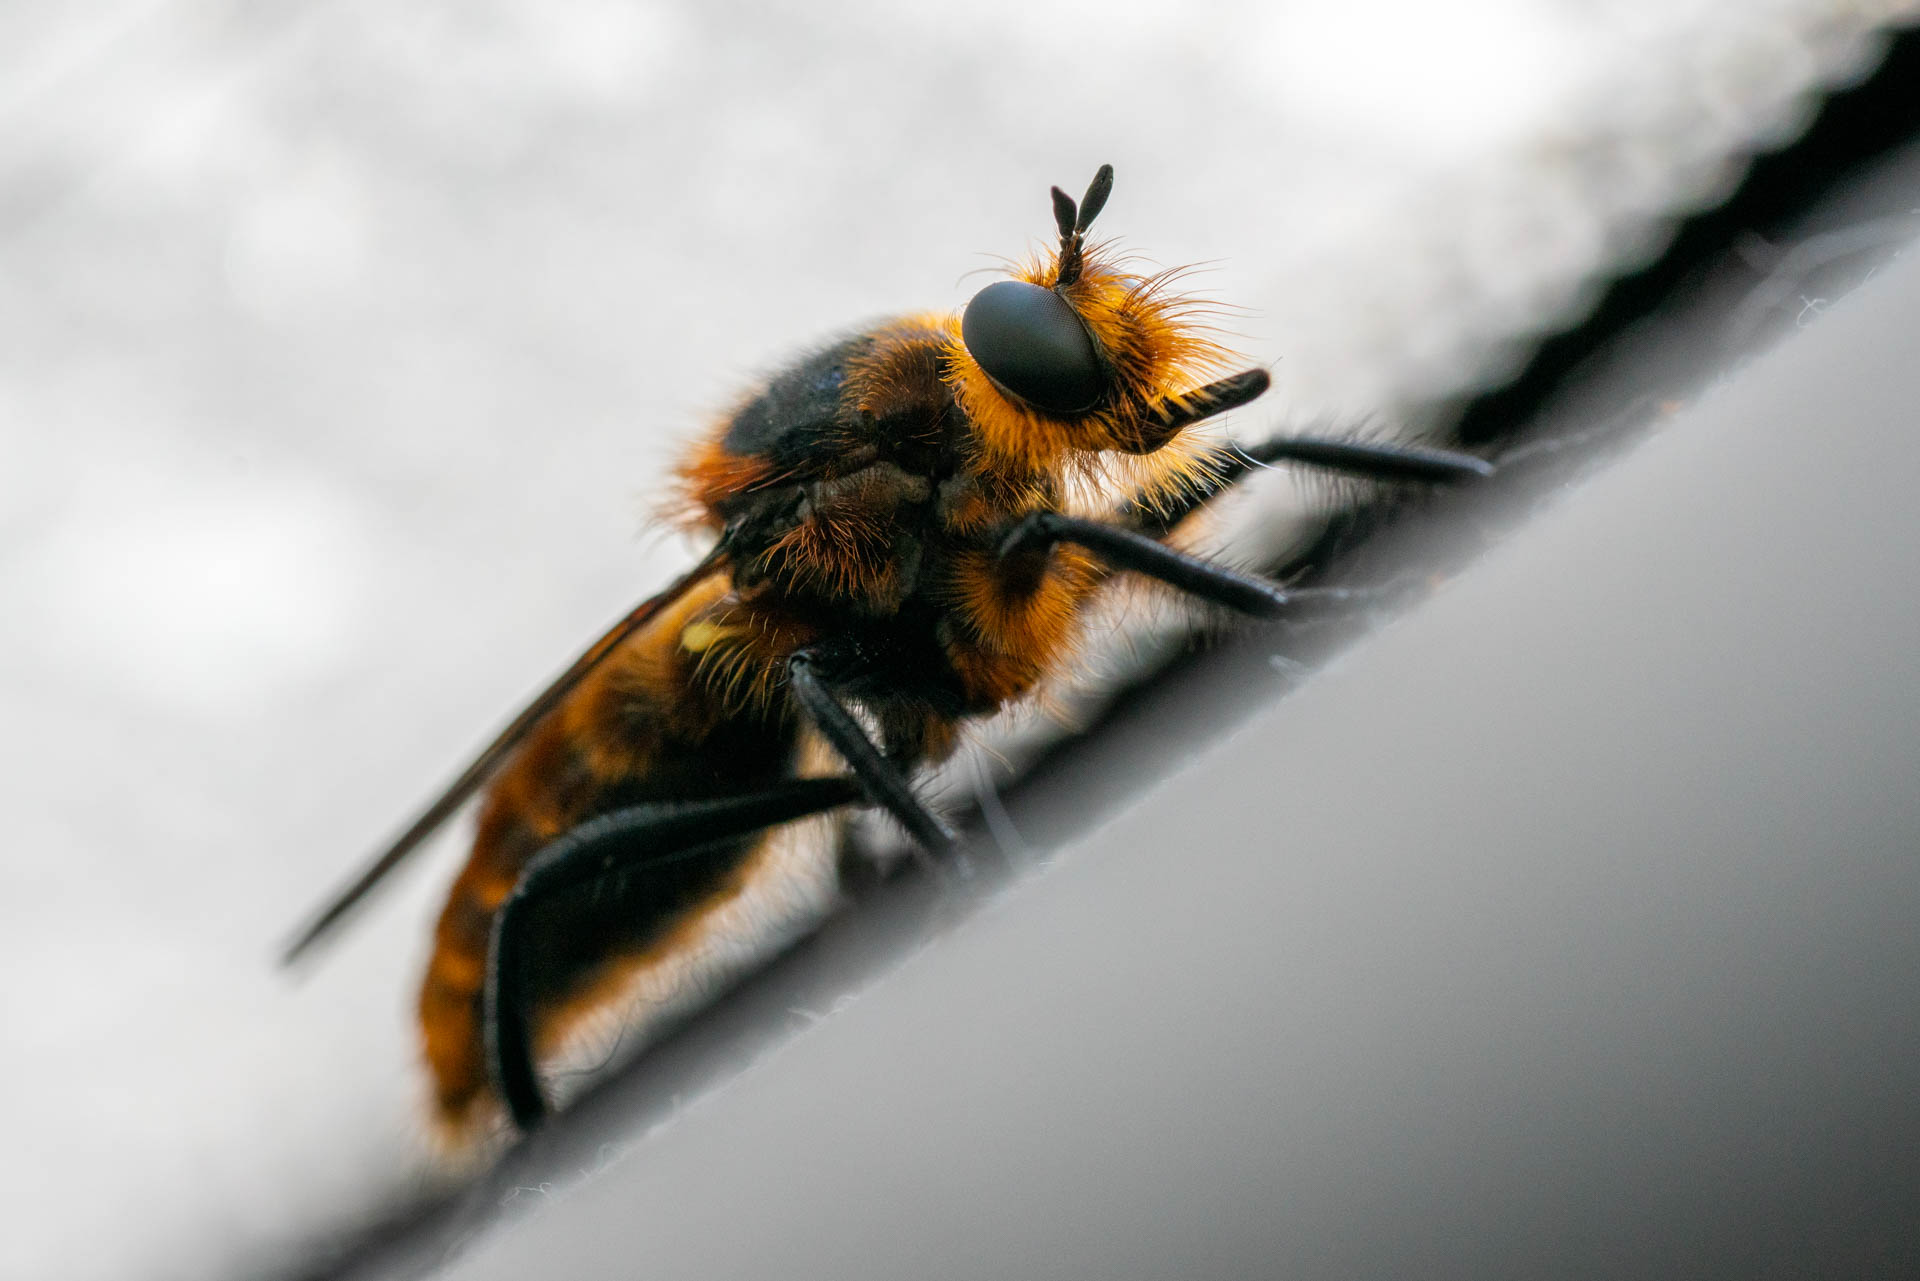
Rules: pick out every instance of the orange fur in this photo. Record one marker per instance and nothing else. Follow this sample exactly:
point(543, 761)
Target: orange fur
point(709, 474)
point(1016, 633)
point(644, 709)
point(884, 515)
point(1155, 353)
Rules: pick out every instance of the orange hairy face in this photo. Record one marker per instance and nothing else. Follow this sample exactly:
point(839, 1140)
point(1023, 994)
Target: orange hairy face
point(1147, 343)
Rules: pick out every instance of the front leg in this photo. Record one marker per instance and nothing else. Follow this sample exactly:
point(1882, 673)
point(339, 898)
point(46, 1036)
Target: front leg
point(1384, 464)
point(1137, 553)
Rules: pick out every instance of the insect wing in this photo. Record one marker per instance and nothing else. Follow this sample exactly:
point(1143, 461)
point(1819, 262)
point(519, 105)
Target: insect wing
point(470, 780)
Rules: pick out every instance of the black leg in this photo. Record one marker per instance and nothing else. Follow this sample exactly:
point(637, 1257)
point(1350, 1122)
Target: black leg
point(1139, 554)
point(1387, 464)
point(1375, 462)
point(625, 841)
point(885, 783)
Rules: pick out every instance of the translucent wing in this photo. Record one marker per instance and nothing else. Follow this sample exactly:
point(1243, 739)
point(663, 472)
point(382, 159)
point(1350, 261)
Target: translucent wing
point(470, 780)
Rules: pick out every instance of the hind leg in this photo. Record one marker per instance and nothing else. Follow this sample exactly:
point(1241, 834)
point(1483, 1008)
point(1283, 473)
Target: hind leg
point(625, 843)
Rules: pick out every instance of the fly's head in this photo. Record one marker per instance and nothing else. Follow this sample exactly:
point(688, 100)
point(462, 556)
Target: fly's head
point(1075, 354)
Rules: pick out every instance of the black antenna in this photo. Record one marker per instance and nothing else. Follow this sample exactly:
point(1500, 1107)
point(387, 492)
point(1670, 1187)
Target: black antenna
point(1096, 198)
point(1073, 222)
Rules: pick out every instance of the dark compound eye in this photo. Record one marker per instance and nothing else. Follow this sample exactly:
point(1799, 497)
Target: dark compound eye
point(1030, 342)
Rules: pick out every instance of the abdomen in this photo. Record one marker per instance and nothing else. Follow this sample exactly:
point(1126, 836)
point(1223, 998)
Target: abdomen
point(643, 727)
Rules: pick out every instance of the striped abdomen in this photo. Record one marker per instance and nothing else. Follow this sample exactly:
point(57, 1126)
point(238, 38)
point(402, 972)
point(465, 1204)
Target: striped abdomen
point(641, 728)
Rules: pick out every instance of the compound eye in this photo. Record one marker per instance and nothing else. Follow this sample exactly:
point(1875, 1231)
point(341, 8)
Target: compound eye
point(1030, 342)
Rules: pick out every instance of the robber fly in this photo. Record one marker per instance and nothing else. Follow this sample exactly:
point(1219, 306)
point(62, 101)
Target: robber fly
point(909, 523)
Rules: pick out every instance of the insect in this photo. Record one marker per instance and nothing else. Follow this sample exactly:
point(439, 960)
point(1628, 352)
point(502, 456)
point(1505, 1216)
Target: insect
point(910, 524)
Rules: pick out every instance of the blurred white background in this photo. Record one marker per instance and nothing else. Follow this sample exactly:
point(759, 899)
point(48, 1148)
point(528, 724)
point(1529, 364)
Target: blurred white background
point(342, 348)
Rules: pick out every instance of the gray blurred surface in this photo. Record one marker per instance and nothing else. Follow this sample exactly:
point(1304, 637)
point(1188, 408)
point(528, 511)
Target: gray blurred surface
point(1567, 927)
point(341, 350)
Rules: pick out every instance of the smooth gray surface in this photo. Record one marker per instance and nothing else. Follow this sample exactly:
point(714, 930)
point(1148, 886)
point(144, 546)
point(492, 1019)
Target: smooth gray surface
point(1565, 928)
